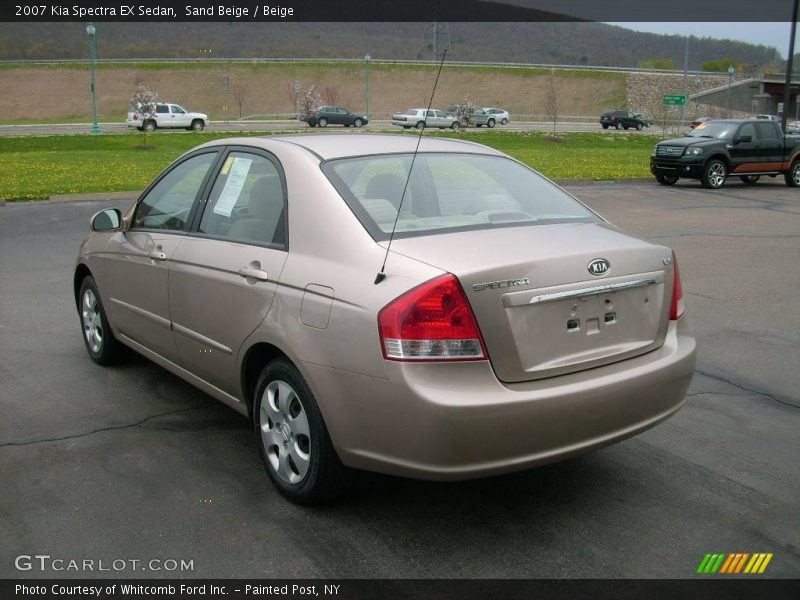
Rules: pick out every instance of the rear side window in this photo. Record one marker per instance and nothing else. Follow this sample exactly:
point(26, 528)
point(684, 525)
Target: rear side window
point(162, 109)
point(766, 131)
point(168, 204)
point(448, 192)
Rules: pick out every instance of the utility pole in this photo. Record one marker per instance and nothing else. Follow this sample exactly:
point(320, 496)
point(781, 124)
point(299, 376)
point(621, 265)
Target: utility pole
point(789, 65)
point(685, 80)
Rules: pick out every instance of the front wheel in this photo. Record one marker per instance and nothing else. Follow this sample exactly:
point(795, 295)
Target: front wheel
point(102, 346)
point(358, 123)
point(490, 123)
point(605, 126)
point(455, 125)
point(666, 180)
point(714, 174)
point(292, 438)
point(792, 176)
point(198, 125)
point(749, 179)
point(323, 122)
point(638, 127)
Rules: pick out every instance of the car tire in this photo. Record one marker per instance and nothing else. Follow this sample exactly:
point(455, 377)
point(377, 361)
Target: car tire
point(406, 126)
point(455, 125)
point(792, 176)
point(198, 125)
point(605, 126)
point(149, 126)
point(666, 180)
point(322, 122)
point(504, 122)
point(478, 124)
point(102, 346)
point(749, 179)
point(293, 441)
point(490, 123)
point(714, 174)
point(617, 126)
point(638, 127)
point(357, 123)
point(420, 125)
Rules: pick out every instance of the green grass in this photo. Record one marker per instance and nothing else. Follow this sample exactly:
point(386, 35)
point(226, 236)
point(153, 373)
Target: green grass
point(38, 167)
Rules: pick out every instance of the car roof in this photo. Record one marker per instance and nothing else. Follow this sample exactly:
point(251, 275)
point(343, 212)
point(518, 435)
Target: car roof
point(339, 145)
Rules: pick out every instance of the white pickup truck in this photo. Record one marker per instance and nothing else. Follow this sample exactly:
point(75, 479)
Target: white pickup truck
point(166, 115)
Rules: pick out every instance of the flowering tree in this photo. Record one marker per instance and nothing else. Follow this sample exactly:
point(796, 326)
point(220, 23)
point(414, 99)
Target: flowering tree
point(465, 112)
point(308, 102)
point(144, 100)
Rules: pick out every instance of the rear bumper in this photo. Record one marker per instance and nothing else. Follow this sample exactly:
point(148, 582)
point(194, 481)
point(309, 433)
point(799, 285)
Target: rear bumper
point(452, 421)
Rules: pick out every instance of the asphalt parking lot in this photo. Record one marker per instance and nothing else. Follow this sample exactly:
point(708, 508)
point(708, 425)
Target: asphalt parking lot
point(133, 463)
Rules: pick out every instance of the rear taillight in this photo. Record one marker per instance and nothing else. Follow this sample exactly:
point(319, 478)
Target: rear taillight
point(431, 322)
point(677, 308)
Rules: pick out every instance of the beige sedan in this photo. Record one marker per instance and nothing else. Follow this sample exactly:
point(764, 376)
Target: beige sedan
point(445, 314)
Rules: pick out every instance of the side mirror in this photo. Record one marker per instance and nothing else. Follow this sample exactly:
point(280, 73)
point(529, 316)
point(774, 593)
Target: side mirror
point(106, 220)
point(743, 139)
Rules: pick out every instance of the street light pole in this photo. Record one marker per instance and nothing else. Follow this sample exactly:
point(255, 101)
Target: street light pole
point(730, 80)
point(366, 80)
point(91, 31)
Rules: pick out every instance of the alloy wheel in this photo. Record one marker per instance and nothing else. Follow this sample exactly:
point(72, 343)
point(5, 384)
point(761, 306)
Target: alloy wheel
point(285, 432)
point(92, 321)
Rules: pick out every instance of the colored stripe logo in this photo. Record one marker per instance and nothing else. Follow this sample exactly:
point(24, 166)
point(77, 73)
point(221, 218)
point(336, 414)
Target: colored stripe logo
point(734, 563)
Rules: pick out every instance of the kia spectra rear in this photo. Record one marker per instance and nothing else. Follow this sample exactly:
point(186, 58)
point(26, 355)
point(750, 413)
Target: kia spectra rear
point(513, 327)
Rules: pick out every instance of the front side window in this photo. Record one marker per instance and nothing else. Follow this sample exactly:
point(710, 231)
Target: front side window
point(168, 204)
point(448, 192)
point(247, 202)
point(178, 110)
point(748, 129)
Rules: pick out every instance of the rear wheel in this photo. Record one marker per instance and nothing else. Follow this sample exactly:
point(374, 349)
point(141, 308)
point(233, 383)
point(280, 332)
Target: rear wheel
point(420, 125)
point(792, 176)
point(149, 126)
point(666, 180)
point(617, 126)
point(358, 123)
point(749, 179)
point(714, 174)
point(102, 346)
point(292, 438)
point(323, 122)
point(504, 122)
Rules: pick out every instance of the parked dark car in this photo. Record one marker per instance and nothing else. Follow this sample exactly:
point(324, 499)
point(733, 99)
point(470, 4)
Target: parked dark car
point(335, 115)
point(747, 148)
point(621, 119)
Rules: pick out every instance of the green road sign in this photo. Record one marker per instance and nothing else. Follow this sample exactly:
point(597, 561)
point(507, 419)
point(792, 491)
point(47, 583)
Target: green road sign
point(674, 99)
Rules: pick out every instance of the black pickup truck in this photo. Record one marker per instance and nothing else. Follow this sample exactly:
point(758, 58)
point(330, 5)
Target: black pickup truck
point(716, 149)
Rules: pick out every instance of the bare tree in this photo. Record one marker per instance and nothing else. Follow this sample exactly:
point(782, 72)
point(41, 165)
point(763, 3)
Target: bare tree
point(330, 93)
point(293, 92)
point(239, 93)
point(551, 102)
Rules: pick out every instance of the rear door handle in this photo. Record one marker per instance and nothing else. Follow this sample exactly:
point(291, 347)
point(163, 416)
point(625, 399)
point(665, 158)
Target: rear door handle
point(158, 255)
point(248, 272)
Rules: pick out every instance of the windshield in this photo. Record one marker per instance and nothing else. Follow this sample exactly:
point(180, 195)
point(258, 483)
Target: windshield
point(449, 192)
point(714, 129)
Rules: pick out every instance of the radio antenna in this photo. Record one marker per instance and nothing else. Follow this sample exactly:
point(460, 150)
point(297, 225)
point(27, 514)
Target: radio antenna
point(381, 274)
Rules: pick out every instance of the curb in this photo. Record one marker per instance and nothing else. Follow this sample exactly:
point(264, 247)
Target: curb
point(109, 196)
point(603, 181)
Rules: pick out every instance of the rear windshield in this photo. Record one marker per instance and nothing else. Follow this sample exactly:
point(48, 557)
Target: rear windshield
point(448, 192)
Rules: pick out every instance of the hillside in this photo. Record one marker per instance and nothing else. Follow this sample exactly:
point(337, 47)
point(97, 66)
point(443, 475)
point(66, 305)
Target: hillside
point(560, 43)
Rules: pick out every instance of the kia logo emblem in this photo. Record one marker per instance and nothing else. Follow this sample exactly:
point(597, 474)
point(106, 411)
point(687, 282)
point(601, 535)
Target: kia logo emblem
point(599, 266)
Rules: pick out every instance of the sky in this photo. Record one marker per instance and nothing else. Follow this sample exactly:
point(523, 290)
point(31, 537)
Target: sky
point(766, 34)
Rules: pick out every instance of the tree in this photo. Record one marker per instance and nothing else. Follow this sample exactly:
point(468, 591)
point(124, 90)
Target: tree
point(465, 112)
point(550, 104)
point(239, 93)
point(144, 100)
point(721, 65)
point(330, 93)
point(307, 102)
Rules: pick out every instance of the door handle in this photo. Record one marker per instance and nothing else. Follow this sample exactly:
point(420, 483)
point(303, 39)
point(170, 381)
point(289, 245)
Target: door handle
point(253, 273)
point(158, 255)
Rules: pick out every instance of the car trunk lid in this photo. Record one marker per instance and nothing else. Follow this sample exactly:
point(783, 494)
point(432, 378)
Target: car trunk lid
point(541, 308)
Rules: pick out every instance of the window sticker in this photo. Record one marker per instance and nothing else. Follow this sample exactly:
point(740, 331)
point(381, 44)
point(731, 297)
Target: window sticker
point(237, 175)
point(227, 166)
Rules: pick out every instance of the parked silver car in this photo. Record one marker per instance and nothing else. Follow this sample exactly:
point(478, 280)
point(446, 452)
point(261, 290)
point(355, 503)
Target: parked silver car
point(511, 325)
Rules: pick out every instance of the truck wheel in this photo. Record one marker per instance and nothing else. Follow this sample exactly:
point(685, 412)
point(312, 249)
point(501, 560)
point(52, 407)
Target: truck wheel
point(666, 180)
point(792, 176)
point(605, 126)
point(638, 127)
point(749, 179)
point(714, 174)
point(149, 126)
point(198, 125)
